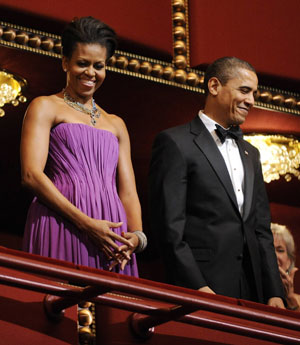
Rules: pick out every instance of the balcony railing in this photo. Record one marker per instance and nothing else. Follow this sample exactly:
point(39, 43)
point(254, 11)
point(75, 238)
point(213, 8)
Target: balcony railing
point(151, 303)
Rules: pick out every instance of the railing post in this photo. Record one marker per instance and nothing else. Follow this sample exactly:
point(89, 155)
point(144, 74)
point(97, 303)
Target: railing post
point(140, 325)
point(55, 306)
point(143, 325)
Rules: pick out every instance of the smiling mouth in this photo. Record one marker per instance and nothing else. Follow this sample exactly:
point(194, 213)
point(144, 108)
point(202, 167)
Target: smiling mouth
point(244, 110)
point(88, 82)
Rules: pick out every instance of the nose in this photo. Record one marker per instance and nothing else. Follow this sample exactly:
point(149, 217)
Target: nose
point(279, 262)
point(90, 71)
point(250, 100)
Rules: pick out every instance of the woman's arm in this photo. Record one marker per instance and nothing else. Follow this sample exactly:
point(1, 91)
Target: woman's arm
point(38, 121)
point(127, 187)
point(126, 181)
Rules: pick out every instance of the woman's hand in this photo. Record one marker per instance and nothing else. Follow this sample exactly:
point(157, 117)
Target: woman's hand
point(105, 239)
point(288, 284)
point(124, 255)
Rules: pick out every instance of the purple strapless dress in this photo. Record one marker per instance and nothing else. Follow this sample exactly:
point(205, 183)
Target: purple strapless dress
point(82, 165)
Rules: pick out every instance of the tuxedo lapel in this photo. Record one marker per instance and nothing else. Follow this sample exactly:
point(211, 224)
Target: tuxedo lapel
point(207, 145)
point(248, 177)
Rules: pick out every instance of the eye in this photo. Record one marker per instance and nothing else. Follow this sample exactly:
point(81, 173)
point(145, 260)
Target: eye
point(244, 90)
point(99, 66)
point(81, 63)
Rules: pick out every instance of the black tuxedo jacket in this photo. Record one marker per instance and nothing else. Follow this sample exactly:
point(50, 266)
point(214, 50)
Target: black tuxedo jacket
point(195, 213)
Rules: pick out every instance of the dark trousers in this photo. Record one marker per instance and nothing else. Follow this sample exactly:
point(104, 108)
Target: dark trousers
point(247, 282)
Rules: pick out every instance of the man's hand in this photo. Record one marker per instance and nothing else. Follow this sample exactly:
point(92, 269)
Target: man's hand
point(206, 289)
point(276, 302)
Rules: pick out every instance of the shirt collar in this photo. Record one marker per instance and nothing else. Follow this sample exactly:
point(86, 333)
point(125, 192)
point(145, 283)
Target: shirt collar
point(210, 125)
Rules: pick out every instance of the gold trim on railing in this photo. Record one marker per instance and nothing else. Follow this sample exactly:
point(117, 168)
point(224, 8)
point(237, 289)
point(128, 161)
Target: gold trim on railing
point(174, 74)
point(86, 323)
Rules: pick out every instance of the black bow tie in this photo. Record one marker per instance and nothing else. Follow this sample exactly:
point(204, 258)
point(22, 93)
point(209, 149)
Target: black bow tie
point(234, 132)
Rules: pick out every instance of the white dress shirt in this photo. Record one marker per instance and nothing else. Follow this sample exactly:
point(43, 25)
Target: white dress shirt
point(230, 152)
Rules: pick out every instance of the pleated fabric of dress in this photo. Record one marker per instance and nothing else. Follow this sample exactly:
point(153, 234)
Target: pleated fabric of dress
point(82, 165)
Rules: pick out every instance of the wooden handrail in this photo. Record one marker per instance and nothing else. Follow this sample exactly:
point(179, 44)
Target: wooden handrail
point(183, 300)
point(121, 283)
point(142, 325)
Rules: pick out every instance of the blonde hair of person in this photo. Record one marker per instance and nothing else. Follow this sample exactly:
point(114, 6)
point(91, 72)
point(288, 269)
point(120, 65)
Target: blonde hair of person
point(284, 232)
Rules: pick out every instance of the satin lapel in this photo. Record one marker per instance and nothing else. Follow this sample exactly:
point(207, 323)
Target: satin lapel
point(248, 177)
point(207, 145)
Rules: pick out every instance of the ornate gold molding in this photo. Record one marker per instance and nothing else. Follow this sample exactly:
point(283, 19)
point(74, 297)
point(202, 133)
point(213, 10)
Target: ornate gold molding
point(172, 74)
point(180, 23)
point(86, 323)
point(11, 88)
point(35, 41)
point(280, 155)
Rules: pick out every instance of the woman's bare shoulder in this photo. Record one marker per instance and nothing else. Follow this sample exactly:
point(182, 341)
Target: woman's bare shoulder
point(44, 101)
point(115, 120)
point(113, 123)
point(42, 106)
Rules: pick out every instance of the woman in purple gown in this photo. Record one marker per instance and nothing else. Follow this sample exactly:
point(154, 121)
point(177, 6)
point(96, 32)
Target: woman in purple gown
point(72, 152)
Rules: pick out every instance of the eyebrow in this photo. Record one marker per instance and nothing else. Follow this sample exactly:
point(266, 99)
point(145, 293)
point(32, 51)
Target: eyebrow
point(85, 59)
point(245, 87)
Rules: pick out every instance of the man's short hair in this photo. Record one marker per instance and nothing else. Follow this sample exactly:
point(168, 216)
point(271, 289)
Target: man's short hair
point(225, 69)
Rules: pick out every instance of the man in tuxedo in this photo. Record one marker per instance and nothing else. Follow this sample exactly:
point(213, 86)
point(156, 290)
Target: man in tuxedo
point(208, 200)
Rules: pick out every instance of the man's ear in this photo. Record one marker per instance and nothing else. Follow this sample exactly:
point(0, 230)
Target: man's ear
point(214, 86)
point(64, 63)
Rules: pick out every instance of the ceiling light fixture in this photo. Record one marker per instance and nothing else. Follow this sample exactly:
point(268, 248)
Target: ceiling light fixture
point(279, 155)
point(11, 89)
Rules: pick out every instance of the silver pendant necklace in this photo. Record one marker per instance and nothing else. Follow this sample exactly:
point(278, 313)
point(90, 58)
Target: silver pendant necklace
point(93, 113)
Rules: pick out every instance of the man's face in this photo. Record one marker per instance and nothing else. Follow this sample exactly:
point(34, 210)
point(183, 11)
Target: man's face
point(236, 97)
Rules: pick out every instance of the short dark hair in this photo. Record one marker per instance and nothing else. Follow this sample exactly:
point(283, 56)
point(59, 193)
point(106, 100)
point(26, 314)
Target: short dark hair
point(225, 69)
point(88, 30)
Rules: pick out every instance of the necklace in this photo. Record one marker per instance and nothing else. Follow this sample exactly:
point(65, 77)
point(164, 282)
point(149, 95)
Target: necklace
point(93, 113)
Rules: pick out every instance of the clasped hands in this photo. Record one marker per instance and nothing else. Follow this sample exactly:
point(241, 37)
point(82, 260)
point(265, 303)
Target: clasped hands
point(103, 237)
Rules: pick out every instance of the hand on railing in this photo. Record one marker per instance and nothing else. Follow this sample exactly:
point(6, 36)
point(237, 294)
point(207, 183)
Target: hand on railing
point(206, 289)
point(276, 302)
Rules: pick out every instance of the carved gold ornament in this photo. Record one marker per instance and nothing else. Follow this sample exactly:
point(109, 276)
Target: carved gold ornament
point(86, 323)
point(280, 156)
point(11, 88)
point(180, 34)
point(176, 73)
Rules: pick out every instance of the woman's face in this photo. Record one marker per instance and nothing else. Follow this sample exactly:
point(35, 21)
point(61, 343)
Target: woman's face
point(281, 252)
point(85, 69)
